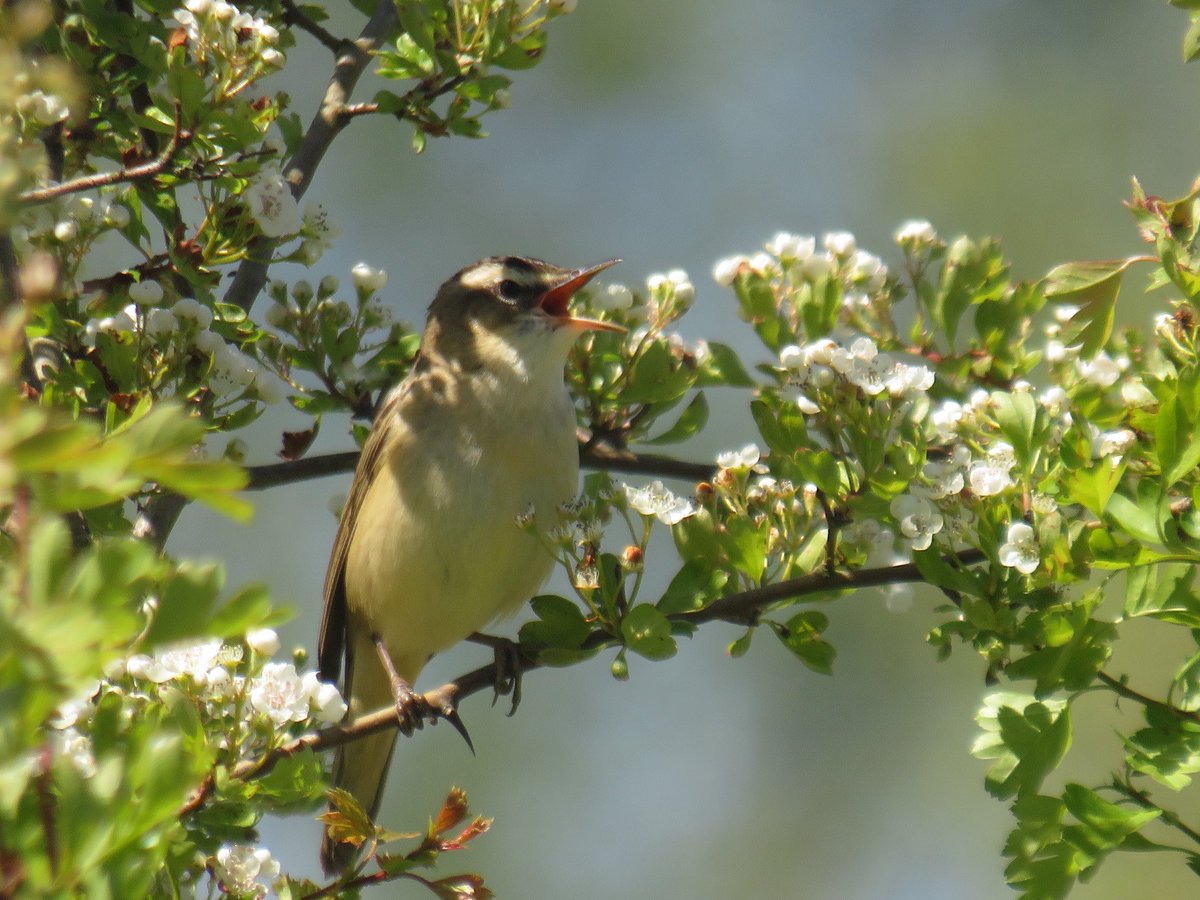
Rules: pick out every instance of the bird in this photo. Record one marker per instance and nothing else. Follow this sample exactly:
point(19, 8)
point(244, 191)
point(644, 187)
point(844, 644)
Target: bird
point(428, 551)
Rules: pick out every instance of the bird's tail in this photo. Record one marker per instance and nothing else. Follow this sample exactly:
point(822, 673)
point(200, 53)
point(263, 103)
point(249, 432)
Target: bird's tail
point(361, 766)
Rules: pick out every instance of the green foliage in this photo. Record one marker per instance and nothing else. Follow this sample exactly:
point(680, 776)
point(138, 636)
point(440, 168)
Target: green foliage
point(926, 410)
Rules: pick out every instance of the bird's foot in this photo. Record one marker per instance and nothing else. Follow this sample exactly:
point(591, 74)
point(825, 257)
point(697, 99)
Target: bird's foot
point(508, 664)
point(413, 709)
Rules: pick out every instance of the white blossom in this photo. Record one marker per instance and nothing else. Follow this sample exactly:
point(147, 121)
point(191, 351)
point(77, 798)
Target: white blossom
point(655, 500)
point(1055, 400)
point(869, 268)
point(945, 478)
point(145, 293)
point(1102, 370)
point(269, 387)
point(208, 342)
point(792, 357)
point(1136, 394)
point(817, 266)
point(1020, 551)
point(279, 694)
point(116, 215)
point(745, 459)
point(318, 226)
point(725, 271)
point(1113, 444)
point(271, 204)
point(239, 867)
point(987, 479)
point(840, 243)
point(263, 641)
point(918, 519)
point(184, 659)
point(789, 246)
point(325, 699)
point(76, 748)
point(803, 402)
point(367, 279)
point(42, 108)
point(763, 264)
point(915, 234)
point(685, 291)
point(613, 297)
point(193, 312)
point(160, 323)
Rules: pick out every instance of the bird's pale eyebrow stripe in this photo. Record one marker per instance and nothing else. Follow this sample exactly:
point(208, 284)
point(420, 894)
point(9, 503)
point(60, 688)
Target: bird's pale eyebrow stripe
point(488, 274)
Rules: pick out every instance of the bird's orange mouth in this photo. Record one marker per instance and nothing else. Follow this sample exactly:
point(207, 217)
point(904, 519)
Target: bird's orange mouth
point(555, 301)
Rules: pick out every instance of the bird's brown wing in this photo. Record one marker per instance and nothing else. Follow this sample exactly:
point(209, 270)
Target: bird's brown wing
point(331, 642)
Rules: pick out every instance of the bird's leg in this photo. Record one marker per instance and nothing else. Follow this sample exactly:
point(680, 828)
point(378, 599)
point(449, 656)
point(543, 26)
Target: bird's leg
point(413, 708)
point(509, 666)
point(410, 705)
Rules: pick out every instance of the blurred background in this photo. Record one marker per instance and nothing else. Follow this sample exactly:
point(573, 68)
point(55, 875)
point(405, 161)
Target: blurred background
point(671, 134)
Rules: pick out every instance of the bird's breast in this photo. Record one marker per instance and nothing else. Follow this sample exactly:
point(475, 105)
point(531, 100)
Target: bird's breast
point(437, 552)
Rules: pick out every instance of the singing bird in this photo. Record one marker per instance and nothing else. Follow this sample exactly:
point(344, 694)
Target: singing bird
point(428, 550)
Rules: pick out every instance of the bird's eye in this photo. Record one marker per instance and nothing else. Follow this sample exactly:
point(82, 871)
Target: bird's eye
point(510, 291)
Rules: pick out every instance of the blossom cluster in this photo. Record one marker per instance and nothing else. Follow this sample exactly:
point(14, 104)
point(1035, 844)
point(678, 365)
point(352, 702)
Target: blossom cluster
point(815, 371)
point(180, 331)
point(218, 31)
point(229, 686)
point(276, 693)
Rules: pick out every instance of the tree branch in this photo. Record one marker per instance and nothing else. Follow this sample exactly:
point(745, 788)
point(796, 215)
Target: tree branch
point(353, 57)
point(271, 475)
point(1122, 689)
point(294, 15)
point(103, 179)
point(737, 608)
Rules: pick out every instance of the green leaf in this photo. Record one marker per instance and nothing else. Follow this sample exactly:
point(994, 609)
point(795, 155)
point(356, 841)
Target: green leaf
point(1027, 738)
point(745, 543)
point(722, 366)
point(693, 419)
point(248, 608)
point(1176, 441)
point(560, 624)
point(1102, 826)
point(647, 632)
point(1191, 41)
point(694, 586)
point(739, 647)
point(802, 634)
point(656, 377)
point(184, 603)
point(1016, 414)
point(1093, 487)
point(1094, 287)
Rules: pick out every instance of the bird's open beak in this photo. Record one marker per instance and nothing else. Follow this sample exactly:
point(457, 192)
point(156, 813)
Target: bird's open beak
point(554, 301)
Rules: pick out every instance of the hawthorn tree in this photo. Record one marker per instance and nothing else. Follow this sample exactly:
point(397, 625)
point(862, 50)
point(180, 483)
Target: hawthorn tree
point(925, 419)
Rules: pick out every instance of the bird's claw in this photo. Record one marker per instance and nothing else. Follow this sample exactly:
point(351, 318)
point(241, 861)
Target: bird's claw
point(508, 666)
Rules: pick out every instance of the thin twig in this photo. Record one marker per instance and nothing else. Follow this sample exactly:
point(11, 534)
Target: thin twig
point(1144, 800)
point(736, 608)
point(103, 179)
point(1120, 687)
point(294, 15)
point(353, 57)
point(271, 475)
